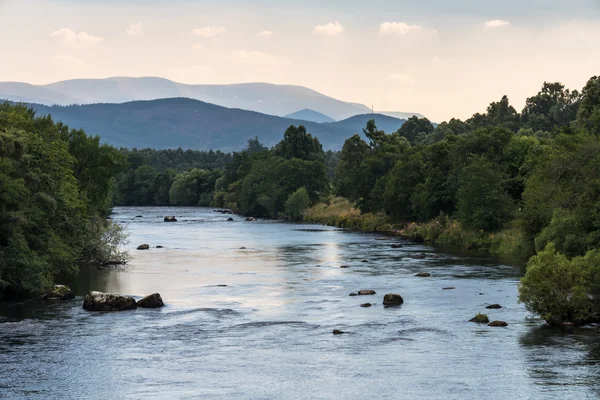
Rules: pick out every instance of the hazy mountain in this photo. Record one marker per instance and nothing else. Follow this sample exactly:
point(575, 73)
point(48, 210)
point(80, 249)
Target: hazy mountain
point(192, 124)
point(310, 115)
point(261, 97)
point(383, 122)
point(401, 115)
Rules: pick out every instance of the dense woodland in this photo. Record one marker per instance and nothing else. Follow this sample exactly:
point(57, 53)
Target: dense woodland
point(525, 182)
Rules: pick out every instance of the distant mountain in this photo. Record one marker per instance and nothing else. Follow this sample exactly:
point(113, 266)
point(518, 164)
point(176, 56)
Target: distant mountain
point(310, 115)
point(261, 97)
point(383, 122)
point(193, 124)
point(401, 115)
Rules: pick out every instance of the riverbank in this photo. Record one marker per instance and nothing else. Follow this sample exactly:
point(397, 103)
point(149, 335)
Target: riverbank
point(442, 231)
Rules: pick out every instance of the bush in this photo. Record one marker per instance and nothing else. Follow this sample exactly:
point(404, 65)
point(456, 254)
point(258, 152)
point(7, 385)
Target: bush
point(297, 204)
point(557, 288)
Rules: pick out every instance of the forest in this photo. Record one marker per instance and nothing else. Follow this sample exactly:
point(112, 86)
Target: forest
point(523, 184)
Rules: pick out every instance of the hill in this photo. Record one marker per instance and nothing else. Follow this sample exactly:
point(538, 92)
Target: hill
point(310, 115)
point(383, 122)
point(190, 124)
point(261, 97)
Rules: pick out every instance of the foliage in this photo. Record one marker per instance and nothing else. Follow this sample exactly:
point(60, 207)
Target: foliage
point(297, 204)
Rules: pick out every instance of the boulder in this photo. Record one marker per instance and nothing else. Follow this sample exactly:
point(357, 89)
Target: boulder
point(392, 299)
point(143, 247)
point(98, 301)
point(160, 247)
point(366, 292)
point(344, 266)
point(170, 219)
point(242, 248)
point(59, 292)
point(498, 323)
point(480, 319)
point(139, 216)
point(151, 301)
point(493, 306)
point(229, 219)
point(423, 275)
point(251, 219)
point(353, 294)
point(366, 305)
point(338, 332)
point(365, 261)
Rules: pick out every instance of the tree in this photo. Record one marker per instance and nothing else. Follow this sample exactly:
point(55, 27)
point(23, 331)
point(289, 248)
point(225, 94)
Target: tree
point(297, 143)
point(482, 202)
point(416, 127)
point(588, 115)
point(297, 204)
point(194, 187)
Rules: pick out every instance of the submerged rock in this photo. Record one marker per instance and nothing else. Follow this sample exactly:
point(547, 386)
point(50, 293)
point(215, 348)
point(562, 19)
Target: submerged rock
point(170, 219)
point(396, 246)
point(366, 305)
point(423, 275)
point(143, 247)
point(229, 219)
point(151, 301)
point(493, 306)
point(139, 216)
point(353, 294)
point(338, 332)
point(366, 292)
point(59, 292)
point(251, 219)
point(242, 248)
point(480, 319)
point(365, 261)
point(160, 247)
point(98, 301)
point(448, 288)
point(344, 266)
point(392, 299)
point(498, 323)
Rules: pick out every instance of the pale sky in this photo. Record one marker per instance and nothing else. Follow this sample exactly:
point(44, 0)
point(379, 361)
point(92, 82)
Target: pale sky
point(440, 58)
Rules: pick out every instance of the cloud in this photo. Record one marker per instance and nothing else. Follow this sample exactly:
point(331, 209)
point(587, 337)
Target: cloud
point(256, 58)
point(399, 28)
point(69, 37)
point(209, 31)
point(199, 47)
point(399, 77)
point(135, 30)
point(497, 23)
point(265, 34)
point(68, 61)
point(330, 29)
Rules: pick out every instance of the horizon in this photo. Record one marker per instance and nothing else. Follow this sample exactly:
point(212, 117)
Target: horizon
point(437, 59)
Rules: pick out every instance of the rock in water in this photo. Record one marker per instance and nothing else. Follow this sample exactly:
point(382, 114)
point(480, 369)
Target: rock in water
point(498, 323)
point(98, 301)
point(366, 292)
point(353, 294)
point(396, 246)
point(170, 219)
point(366, 305)
point(423, 275)
point(344, 266)
point(229, 219)
point(151, 301)
point(392, 299)
point(251, 219)
point(480, 318)
point(338, 332)
point(143, 247)
point(59, 292)
point(493, 306)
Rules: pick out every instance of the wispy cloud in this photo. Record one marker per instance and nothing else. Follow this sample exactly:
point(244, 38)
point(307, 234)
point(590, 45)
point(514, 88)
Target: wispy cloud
point(199, 47)
point(497, 23)
point(135, 30)
point(400, 78)
point(69, 37)
point(330, 29)
point(256, 58)
point(399, 28)
point(265, 34)
point(209, 31)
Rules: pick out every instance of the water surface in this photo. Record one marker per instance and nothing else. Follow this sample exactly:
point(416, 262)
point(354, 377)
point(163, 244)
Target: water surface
point(267, 334)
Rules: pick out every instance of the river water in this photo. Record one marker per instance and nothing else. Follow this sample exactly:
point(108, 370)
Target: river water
point(268, 333)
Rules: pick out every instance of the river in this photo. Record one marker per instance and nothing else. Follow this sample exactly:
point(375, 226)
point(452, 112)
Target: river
point(268, 333)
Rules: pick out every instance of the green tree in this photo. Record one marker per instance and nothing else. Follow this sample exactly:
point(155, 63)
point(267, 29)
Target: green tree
point(296, 204)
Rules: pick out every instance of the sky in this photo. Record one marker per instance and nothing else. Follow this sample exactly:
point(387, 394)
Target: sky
point(440, 58)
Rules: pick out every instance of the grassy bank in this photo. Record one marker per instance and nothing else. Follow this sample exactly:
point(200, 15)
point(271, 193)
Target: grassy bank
point(443, 231)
